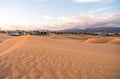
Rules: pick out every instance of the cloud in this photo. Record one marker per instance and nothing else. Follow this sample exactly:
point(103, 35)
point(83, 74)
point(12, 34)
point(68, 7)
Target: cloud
point(100, 9)
point(42, 0)
point(46, 17)
point(111, 21)
point(86, 1)
point(68, 22)
point(86, 22)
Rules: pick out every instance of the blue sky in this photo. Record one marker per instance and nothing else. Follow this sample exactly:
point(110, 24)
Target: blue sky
point(52, 12)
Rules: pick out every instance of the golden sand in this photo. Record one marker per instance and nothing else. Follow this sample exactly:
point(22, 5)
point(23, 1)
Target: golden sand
point(100, 39)
point(39, 57)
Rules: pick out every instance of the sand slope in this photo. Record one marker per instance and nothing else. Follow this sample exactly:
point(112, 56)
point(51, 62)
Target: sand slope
point(115, 41)
point(100, 40)
point(33, 57)
point(4, 37)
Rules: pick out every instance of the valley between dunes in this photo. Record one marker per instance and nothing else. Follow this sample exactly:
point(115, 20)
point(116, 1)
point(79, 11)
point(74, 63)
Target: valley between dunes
point(59, 57)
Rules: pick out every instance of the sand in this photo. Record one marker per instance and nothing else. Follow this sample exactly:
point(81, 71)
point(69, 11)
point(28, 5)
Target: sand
point(100, 39)
point(115, 41)
point(4, 37)
point(45, 57)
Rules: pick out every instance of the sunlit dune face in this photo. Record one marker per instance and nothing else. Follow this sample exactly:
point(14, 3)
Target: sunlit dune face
point(100, 40)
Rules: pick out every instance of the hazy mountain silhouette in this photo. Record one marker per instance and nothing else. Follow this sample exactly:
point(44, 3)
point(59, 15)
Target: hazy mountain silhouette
point(95, 29)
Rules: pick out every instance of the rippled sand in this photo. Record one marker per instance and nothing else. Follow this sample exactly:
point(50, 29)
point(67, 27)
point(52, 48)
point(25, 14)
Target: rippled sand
point(58, 57)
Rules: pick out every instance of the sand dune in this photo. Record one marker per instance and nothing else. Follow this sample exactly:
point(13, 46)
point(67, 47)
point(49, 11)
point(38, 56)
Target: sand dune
point(101, 39)
point(11, 44)
point(115, 41)
point(37, 57)
point(3, 37)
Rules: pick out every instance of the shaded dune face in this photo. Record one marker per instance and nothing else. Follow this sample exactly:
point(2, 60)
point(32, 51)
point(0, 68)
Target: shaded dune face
point(33, 57)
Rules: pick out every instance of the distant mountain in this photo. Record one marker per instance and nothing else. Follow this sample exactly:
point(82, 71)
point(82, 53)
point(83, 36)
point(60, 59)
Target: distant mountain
point(73, 30)
point(95, 29)
point(103, 29)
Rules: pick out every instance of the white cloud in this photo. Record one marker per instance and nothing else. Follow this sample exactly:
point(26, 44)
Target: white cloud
point(87, 1)
point(100, 9)
point(85, 22)
point(68, 22)
point(41, 0)
point(46, 17)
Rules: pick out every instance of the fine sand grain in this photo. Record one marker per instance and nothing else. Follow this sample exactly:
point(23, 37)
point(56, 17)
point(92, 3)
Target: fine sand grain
point(38, 57)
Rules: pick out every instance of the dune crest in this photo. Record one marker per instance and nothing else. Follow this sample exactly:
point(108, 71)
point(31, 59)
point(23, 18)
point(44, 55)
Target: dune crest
point(101, 40)
point(115, 41)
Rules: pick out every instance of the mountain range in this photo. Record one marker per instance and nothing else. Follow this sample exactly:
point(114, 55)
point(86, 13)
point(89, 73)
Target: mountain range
point(95, 29)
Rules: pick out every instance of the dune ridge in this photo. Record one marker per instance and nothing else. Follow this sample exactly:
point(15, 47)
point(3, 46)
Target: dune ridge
point(101, 39)
point(19, 41)
point(37, 57)
point(115, 41)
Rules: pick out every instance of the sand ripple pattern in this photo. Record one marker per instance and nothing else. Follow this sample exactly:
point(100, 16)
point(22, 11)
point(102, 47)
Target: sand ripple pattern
point(33, 57)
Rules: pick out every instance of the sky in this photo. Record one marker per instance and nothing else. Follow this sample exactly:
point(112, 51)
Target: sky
point(59, 14)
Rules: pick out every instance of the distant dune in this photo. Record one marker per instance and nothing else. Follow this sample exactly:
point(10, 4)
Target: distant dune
point(101, 39)
point(59, 57)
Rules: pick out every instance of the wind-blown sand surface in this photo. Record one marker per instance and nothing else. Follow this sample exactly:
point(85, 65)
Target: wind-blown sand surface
point(4, 37)
point(101, 39)
point(39, 57)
